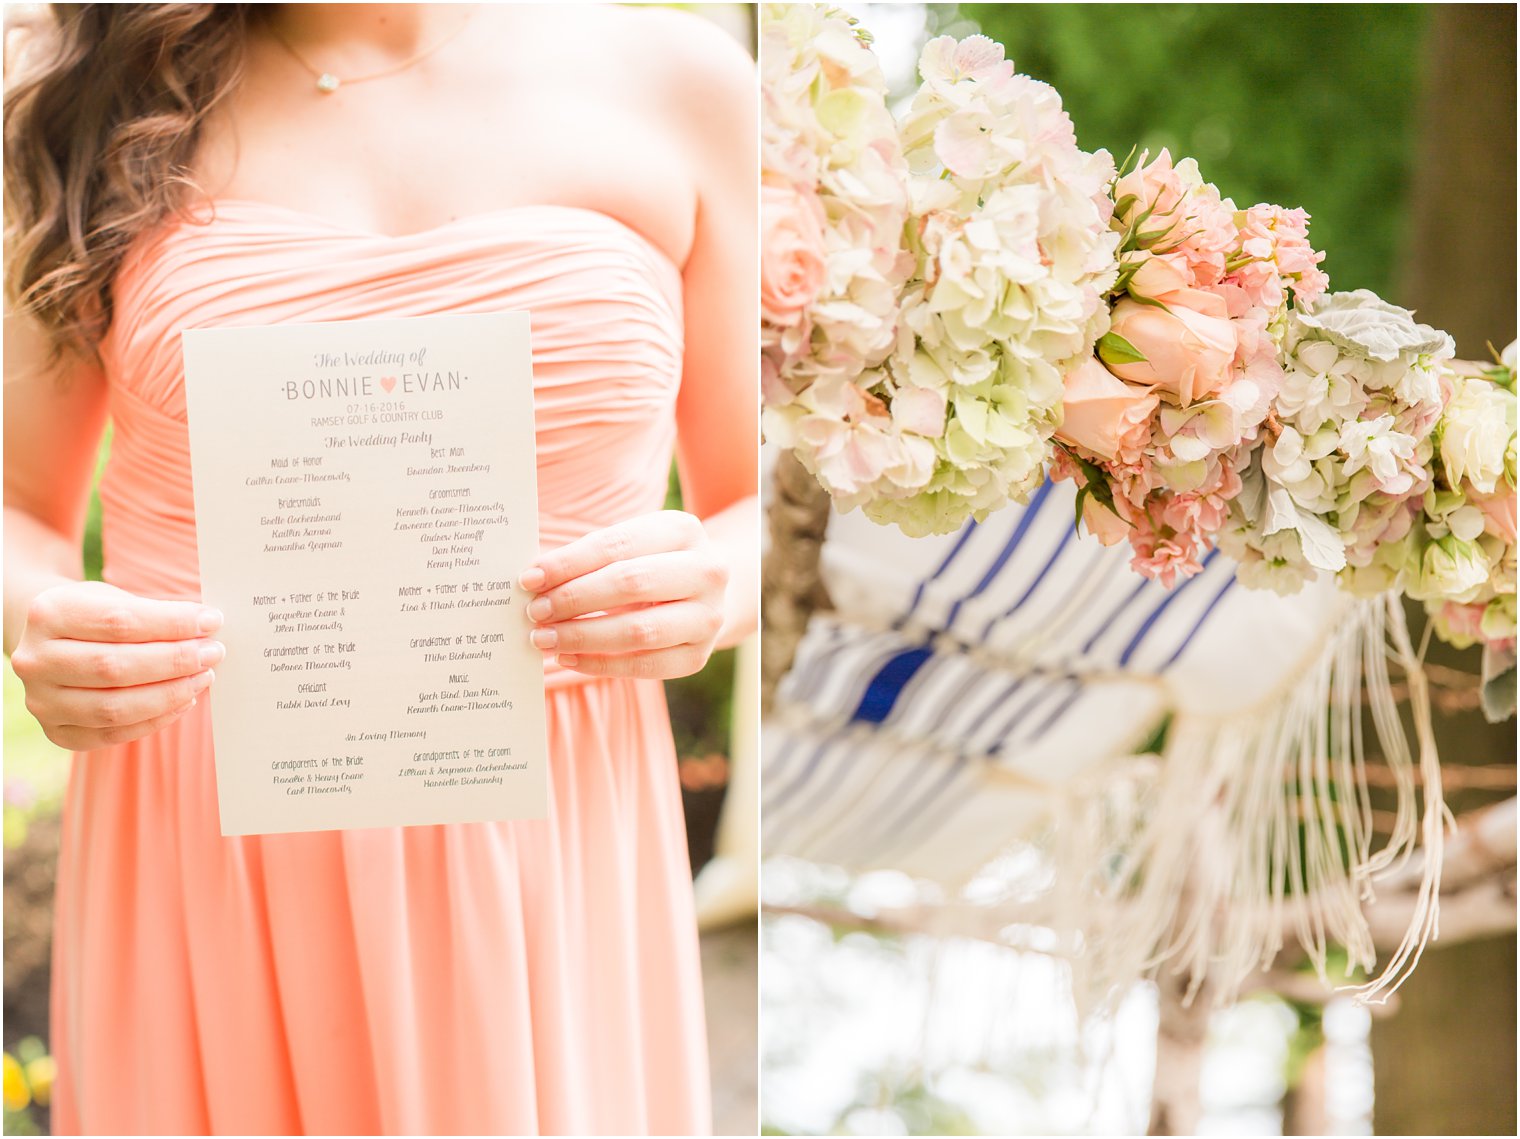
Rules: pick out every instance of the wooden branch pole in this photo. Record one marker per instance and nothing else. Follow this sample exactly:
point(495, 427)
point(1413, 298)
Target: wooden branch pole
point(791, 581)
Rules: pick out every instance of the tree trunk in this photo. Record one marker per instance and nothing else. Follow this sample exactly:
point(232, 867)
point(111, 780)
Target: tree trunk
point(1182, 1035)
point(1460, 271)
point(1445, 1063)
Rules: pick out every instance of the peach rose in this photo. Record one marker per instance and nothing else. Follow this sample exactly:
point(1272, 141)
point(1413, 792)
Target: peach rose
point(1160, 187)
point(1160, 275)
point(1102, 523)
point(1189, 346)
point(1103, 414)
point(792, 265)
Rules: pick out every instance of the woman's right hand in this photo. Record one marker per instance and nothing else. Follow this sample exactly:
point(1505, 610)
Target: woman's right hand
point(102, 666)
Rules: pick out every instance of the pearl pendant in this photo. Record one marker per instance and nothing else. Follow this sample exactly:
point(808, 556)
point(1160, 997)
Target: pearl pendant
point(327, 83)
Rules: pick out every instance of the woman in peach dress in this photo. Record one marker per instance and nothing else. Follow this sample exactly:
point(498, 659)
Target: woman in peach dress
point(174, 166)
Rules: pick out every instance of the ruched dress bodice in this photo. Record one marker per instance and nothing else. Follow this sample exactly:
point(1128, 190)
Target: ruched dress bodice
point(607, 350)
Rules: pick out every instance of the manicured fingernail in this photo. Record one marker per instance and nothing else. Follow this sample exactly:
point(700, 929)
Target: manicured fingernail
point(540, 608)
point(212, 654)
point(531, 579)
point(210, 620)
point(544, 638)
point(203, 681)
point(567, 661)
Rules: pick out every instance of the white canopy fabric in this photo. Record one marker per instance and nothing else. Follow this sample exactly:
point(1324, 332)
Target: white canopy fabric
point(963, 678)
point(978, 693)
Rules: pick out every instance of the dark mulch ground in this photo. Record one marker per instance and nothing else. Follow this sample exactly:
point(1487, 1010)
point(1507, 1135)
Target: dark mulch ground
point(28, 936)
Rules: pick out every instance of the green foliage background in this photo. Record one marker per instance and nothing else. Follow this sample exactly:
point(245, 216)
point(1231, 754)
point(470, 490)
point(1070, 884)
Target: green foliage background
point(1309, 105)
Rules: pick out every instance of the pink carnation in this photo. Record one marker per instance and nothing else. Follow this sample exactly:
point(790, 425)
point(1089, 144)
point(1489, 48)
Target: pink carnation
point(1464, 622)
point(1277, 240)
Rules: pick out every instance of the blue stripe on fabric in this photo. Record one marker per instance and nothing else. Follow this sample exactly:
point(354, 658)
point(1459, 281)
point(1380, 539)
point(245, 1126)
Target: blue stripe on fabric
point(839, 768)
point(869, 822)
point(930, 812)
point(1009, 732)
point(997, 703)
point(970, 694)
point(1066, 536)
point(776, 767)
point(887, 685)
point(918, 594)
point(1026, 520)
point(903, 821)
point(1113, 615)
point(905, 786)
point(1166, 602)
point(1197, 625)
point(784, 794)
point(1077, 692)
point(880, 651)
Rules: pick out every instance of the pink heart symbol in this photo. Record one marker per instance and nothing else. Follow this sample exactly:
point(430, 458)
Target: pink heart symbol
point(388, 383)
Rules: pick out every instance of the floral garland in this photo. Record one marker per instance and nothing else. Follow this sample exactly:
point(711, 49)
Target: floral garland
point(1158, 423)
point(959, 301)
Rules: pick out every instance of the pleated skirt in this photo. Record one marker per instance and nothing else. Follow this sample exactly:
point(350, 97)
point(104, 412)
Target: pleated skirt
point(484, 978)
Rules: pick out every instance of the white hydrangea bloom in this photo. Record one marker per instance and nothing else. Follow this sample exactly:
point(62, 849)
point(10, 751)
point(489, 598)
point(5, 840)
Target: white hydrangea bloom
point(965, 261)
point(1012, 255)
point(1346, 454)
point(828, 134)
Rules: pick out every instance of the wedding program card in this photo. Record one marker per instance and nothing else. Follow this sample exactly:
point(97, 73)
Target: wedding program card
point(365, 496)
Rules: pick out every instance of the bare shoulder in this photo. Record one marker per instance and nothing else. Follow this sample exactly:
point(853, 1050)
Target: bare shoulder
point(683, 45)
point(692, 60)
point(691, 67)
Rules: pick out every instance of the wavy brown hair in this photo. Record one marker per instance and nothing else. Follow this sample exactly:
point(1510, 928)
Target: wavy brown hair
point(100, 128)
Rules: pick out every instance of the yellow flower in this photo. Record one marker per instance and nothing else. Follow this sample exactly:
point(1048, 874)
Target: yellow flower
point(17, 1094)
point(39, 1074)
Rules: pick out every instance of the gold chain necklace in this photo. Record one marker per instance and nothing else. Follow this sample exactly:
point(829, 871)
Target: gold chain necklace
point(327, 82)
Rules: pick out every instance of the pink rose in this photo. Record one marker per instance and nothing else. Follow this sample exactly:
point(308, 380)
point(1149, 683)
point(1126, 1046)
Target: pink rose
point(792, 266)
point(1499, 516)
point(1189, 346)
point(1103, 414)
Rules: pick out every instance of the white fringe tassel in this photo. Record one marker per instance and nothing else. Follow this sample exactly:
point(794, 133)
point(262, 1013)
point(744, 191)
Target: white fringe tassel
point(1254, 825)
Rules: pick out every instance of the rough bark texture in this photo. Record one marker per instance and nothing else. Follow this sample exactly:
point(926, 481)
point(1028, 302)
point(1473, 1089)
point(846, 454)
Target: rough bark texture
point(1182, 1033)
point(1445, 1063)
point(1460, 271)
point(791, 585)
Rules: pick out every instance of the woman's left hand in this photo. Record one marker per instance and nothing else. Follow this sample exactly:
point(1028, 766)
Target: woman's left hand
point(643, 598)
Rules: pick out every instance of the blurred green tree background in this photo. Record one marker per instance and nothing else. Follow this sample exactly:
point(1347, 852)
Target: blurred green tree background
point(1309, 105)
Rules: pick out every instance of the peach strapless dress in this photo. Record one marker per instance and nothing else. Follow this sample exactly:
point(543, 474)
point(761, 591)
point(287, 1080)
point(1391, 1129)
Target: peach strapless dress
point(506, 978)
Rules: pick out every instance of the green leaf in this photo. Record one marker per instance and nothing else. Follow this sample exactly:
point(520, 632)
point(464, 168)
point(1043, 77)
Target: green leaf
point(1123, 167)
point(1113, 349)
